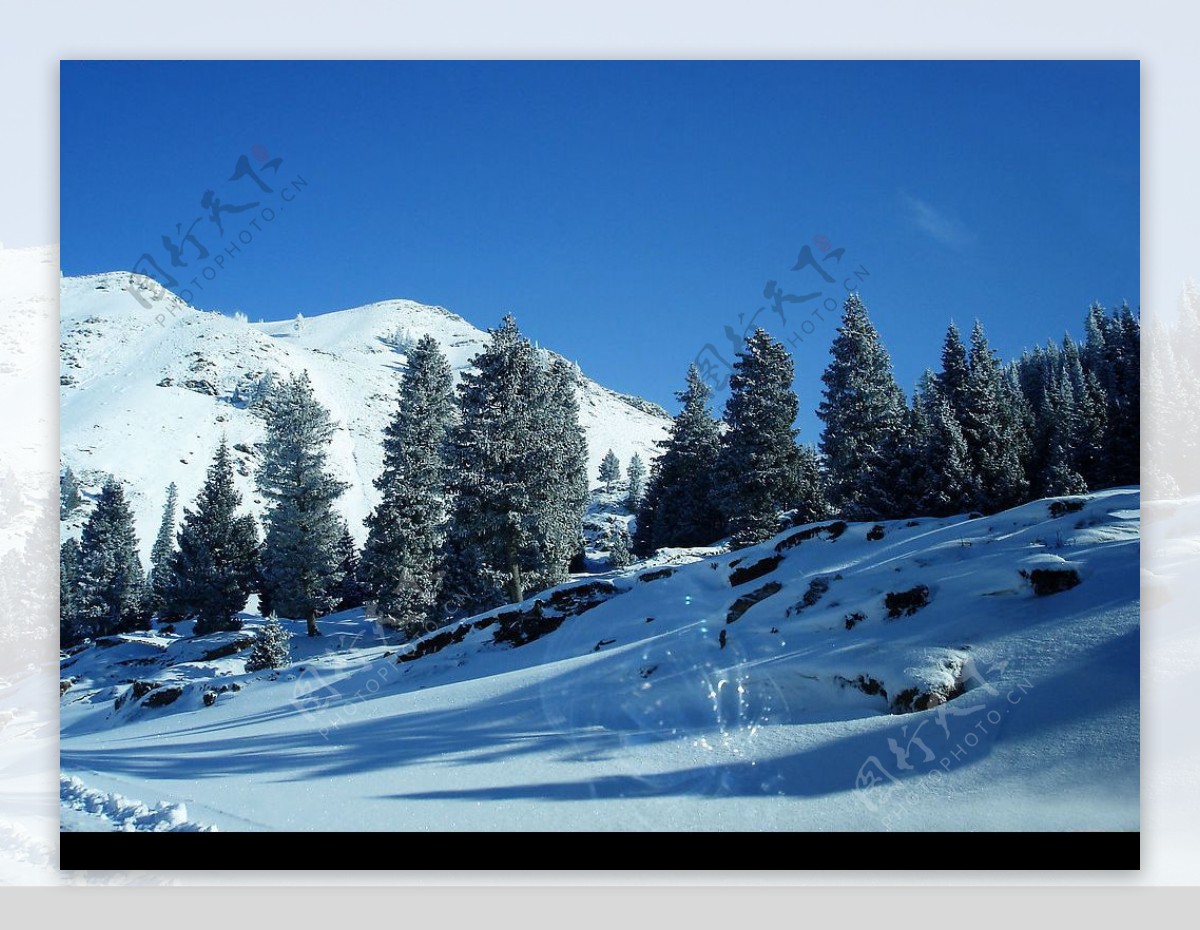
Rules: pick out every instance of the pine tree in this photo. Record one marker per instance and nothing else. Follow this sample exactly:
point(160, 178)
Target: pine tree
point(401, 561)
point(300, 551)
point(956, 371)
point(758, 465)
point(519, 463)
point(560, 474)
point(914, 472)
point(113, 583)
point(619, 555)
point(678, 508)
point(1056, 437)
point(1124, 414)
point(1087, 452)
point(69, 496)
point(813, 499)
point(864, 411)
point(158, 579)
point(70, 597)
point(636, 476)
point(610, 470)
point(990, 430)
point(214, 568)
point(949, 486)
point(272, 647)
point(348, 591)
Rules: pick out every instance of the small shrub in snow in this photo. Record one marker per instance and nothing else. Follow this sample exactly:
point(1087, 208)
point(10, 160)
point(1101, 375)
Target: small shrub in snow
point(1064, 507)
point(1052, 580)
point(618, 553)
point(272, 648)
point(906, 603)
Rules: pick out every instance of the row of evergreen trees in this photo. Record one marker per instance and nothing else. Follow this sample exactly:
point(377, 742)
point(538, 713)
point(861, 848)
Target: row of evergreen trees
point(484, 487)
point(482, 497)
point(977, 435)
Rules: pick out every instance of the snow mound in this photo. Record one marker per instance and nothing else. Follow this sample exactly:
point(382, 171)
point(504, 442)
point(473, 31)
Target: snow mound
point(124, 814)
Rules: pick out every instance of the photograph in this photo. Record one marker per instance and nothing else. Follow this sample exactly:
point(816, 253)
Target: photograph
point(664, 447)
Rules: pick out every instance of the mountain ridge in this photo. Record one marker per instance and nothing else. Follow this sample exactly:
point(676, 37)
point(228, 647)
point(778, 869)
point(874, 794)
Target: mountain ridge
point(147, 392)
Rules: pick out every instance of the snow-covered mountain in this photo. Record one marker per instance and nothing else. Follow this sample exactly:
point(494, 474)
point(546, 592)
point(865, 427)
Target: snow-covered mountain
point(929, 674)
point(150, 384)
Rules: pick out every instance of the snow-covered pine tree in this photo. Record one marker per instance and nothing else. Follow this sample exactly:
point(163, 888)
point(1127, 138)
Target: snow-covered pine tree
point(70, 599)
point(636, 476)
point(492, 533)
point(559, 474)
point(300, 549)
point(401, 561)
point(158, 579)
point(678, 508)
point(69, 496)
point(1057, 429)
point(911, 467)
point(492, 545)
point(619, 554)
point(113, 583)
point(1112, 355)
point(1037, 373)
point(952, 380)
point(348, 591)
point(610, 470)
point(1124, 414)
point(991, 429)
point(272, 647)
point(863, 410)
point(519, 461)
point(758, 465)
point(949, 486)
point(1088, 453)
point(814, 500)
point(214, 568)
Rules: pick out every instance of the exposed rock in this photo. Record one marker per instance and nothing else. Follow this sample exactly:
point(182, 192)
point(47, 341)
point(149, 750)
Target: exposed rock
point(746, 601)
point(830, 531)
point(162, 696)
point(757, 570)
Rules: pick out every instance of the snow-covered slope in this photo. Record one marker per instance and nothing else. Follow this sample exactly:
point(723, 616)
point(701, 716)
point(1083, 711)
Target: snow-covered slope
point(949, 674)
point(147, 391)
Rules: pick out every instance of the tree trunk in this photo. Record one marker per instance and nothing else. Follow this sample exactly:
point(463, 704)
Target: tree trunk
point(312, 624)
point(516, 589)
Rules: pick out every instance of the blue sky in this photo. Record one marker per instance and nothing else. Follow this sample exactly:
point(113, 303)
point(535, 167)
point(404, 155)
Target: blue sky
point(628, 214)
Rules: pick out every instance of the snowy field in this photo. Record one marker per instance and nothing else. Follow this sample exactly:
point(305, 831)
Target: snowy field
point(764, 689)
